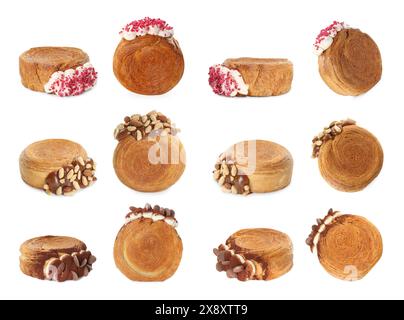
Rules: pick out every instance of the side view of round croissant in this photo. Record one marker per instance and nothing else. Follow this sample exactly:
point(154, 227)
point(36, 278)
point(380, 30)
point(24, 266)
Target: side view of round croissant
point(254, 166)
point(148, 247)
point(349, 60)
point(149, 156)
point(347, 246)
point(349, 157)
point(255, 254)
point(56, 258)
point(148, 60)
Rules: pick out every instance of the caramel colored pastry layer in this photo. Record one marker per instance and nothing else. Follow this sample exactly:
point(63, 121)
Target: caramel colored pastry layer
point(148, 248)
point(347, 246)
point(38, 64)
point(349, 157)
point(256, 166)
point(55, 258)
point(352, 65)
point(149, 157)
point(255, 254)
point(264, 77)
point(58, 166)
point(149, 65)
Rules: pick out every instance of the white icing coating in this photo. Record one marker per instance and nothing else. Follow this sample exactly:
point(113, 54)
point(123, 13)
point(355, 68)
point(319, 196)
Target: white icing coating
point(322, 228)
point(150, 215)
point(226, 81)
point(326, 37)
point(139, 28)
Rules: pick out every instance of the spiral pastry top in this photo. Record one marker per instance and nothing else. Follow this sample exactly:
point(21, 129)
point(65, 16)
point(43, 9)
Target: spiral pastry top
point(349, 157)
point(347, 246)
point(349, 60)
point(148, 247)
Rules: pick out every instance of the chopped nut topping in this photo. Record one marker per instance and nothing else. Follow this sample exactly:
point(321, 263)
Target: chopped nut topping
point(329, 133)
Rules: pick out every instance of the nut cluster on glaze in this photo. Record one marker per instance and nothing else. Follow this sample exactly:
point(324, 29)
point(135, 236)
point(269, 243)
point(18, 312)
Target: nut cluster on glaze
point(69, 266)
point(322, 226)
point(326, 36)
point(155, 213)
point(226, 82)
point(140, 127)
point(80, 174)
point(335, 128)
point(72, 82)
point(145, 26)
point(235, 265)
point(230, 178)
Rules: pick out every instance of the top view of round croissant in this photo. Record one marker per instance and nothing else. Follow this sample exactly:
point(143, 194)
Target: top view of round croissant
point(148, 60)
point(349, 60)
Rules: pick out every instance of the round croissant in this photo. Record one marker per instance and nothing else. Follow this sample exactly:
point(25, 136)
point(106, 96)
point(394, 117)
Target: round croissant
point(347, 246)
point(351, 159)
point(352, 65)
point(55, 258)
point(149, 65)
point(255, 166)
point(148, 248)
point(255, 254)
point(144, 159)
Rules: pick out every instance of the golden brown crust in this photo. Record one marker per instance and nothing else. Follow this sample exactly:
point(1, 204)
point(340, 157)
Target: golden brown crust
point(149, 157)
point(350, 247)
point(352, 65)
point(145, 250)
point(267, 165)
point(41, 158)
point(149, 65)
point(270, 252)
point(352, 160)
point(38, 64)
point(55, 258)
point(265, 77)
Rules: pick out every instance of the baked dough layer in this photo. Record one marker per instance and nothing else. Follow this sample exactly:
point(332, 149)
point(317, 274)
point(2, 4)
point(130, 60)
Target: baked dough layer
point(149, 65)
point(67, 255)
point(264, 77)
point(41, 158)
point(38, 64)
point(352, 160)
point(352, 65)
point(267, 165)
point(147, 250)
point(347, 246)
point(269, 251)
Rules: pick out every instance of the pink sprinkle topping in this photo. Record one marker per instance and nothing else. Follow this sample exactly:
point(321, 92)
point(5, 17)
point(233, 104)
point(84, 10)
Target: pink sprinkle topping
point(330, 31)
point(222, 81)
point(146, 23)
point(72, 83)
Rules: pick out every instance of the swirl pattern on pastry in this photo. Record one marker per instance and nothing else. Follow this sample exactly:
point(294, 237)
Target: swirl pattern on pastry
point(349, 157)
point(148, 248)
point(347, 246)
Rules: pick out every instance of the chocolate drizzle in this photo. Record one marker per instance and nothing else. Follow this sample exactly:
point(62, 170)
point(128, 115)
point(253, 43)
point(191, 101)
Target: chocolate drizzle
point(140, 127)
point(230, 177)
point(322, 226)
point(80, 174)
point(329, 133)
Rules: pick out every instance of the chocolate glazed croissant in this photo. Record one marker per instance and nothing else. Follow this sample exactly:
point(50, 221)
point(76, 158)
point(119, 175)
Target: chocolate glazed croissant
point(349, 157)
point(349, 60)
point(148, 60)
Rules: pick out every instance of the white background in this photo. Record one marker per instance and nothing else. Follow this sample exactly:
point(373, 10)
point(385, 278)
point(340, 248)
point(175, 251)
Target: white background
point(208, 32)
